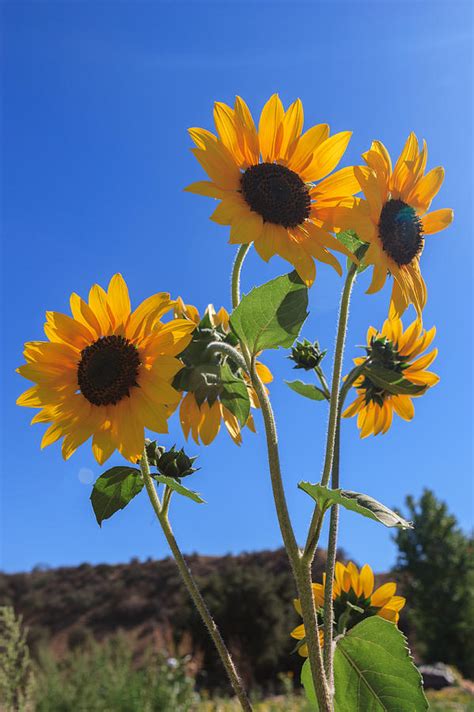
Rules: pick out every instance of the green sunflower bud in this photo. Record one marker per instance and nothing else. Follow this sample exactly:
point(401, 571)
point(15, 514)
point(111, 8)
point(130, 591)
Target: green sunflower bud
point(306, 355)
point(173, 463)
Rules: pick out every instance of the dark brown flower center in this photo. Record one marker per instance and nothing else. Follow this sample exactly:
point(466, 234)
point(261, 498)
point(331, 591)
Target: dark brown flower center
point(276, 193)
point(400, 231)
point(108, 369)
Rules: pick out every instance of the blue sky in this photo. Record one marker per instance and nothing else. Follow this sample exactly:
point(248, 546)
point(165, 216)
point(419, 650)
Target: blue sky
point(97, 98)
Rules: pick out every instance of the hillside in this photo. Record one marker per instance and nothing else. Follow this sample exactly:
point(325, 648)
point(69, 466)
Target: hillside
point(250, 596)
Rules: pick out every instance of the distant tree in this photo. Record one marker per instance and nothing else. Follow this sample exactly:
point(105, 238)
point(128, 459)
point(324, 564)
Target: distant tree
point(436, 568)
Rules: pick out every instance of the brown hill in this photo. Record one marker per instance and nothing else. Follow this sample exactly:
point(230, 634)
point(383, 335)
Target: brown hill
point(250, 596)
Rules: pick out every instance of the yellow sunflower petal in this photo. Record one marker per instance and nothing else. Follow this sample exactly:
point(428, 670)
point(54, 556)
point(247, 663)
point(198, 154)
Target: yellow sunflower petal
point(367, 580)
point(326, 156)
point(270, 129)
point(119, 300)
point(210, 423)
point(248, 228)
point(437, 220)
point(206, 188)
point(383, 594)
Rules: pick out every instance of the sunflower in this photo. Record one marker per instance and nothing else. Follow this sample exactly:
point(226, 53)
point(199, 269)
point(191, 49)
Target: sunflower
point(267, 181)
point(105, 372)
point(394, 218)
point(204, 382)
point(354, 599)
point(393, 349)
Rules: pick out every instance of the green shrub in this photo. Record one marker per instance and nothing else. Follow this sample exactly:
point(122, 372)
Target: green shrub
point(103, 678)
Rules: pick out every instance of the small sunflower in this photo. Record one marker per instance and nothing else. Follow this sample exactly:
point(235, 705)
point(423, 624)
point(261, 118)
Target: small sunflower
point(267, 181)
point(211, 382)
point(354, 599)
point(105, 372)
point(393, 349)
point(394, 218)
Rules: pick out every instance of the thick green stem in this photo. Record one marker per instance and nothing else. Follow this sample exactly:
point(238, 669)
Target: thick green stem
point(311, 542)
point(301, 571)
point(330, 568)
point(236, 269)
point(301, 575)
point(331, 464)
point(192, 587)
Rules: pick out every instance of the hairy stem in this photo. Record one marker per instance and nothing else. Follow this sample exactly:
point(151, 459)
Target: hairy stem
point(330, 568)
point(302, 577)
point(192, 587)
point(236, 270)
point(311, 542)
point(330, 459)
point(301, 571)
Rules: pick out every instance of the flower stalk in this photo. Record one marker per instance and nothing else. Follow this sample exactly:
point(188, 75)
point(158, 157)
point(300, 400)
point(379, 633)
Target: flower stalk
point(162, 516)
point(301, 573)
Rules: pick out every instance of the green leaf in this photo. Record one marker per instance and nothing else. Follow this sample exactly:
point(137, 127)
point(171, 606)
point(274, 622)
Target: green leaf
point(308, 390)
point(373, 670)
point(392, 381)
point(350, 239)
point(113, 491)
point(271, 315)
point(234, 395)
point(355, 501)
point(177, 487)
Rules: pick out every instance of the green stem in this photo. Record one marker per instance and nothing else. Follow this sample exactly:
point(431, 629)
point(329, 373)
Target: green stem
point(301, 570)
point(301, 574)
point(330, 567)
point(192, 587)
point(236, 270)
point(311, 543)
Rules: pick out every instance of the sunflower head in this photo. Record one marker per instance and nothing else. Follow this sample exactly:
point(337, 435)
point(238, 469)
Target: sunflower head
point(393, 353)
point(394, 218)
point(216, 389)
point(273, 181)
point(105, 371)
point(354, 599)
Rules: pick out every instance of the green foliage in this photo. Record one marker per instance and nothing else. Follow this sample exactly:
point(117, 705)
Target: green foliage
point(102, 678)
point(179, 488)
point(16, 676)
point(436, 567)
point(350, 239)
point(356, 502)
point(271, 315)
point(308, 390)
point(373, 670)
point(113, 490)
point(391, 381)
point(234, 394)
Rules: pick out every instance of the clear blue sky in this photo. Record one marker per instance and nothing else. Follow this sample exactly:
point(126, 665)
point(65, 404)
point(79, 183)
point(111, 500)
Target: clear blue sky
point(97, 98)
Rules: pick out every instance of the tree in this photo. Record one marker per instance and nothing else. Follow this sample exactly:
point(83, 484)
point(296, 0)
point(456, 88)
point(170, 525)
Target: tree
point(436, 568)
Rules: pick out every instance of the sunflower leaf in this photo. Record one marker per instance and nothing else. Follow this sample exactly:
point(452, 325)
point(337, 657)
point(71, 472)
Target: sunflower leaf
point(113, 490)
point(271, 315)
point(392, 381)
point(234, 395)
point(350, 239)
point(179, 488)
point(308, 390)
point(356, 502)
point(373, 670)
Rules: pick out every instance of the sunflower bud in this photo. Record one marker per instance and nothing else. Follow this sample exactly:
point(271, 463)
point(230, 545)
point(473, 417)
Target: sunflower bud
point(306, 355)
point(175, 463)
point(170, 463)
